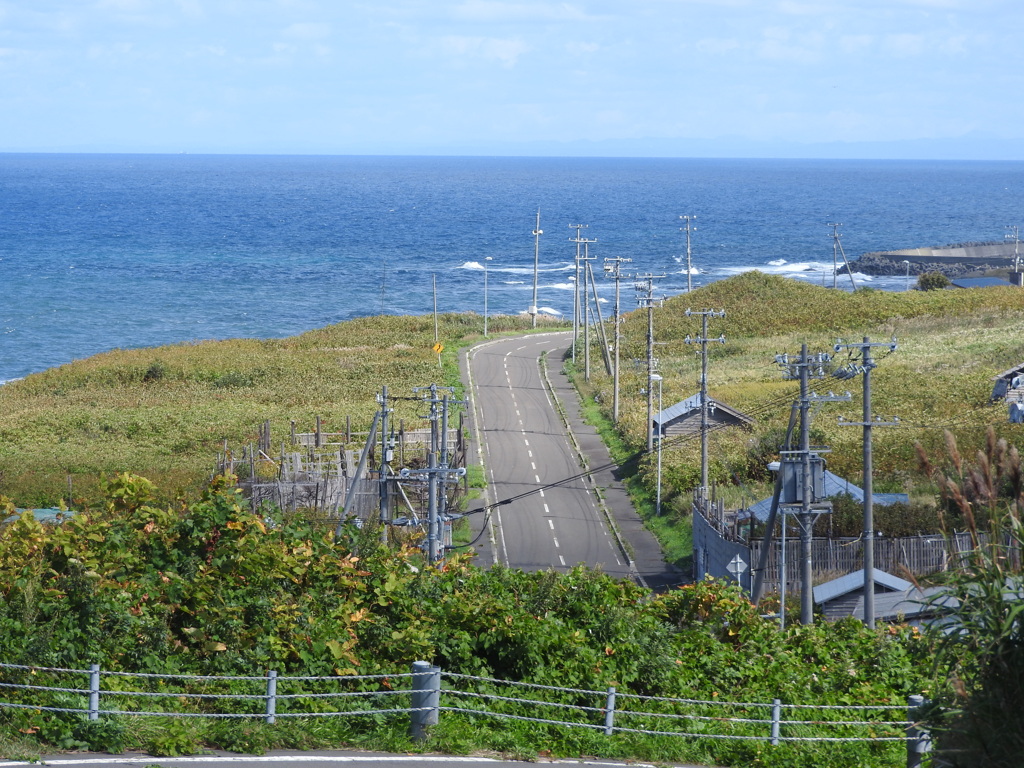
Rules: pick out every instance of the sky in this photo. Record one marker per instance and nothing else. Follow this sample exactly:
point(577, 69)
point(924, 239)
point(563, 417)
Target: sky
point(679, 78)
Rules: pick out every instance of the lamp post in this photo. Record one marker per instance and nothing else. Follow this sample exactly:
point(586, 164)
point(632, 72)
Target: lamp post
point(488, 258)
point(907, 288)
point(657, 504)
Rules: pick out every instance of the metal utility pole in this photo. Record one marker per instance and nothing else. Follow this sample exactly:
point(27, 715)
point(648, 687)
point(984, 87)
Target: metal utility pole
point(661, 438)
point(576, 287)
point(837, 249)
point(689, 264)
point(867, 364)
point(806, 520)
point(599, 322)
point(703, 341)
point(385, 460)
point(585, 260)
point(646, 283)
point(614, 266)
point(437, 470)
point(537, 232)
point(807, 368)
point(486, 259)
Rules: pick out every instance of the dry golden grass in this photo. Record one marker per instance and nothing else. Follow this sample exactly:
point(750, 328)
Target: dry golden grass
point(164, 412)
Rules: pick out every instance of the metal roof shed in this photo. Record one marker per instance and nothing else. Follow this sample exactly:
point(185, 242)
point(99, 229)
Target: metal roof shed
point(683, 418)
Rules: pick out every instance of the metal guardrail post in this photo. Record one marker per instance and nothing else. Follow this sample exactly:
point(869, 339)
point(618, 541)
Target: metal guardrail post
point(776, 721)
point(269, 718)
point(919, 740)
point(609, 712)
point(426, 698)
point(94, 691)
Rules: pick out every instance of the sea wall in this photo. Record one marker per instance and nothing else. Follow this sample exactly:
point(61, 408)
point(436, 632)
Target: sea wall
point(951, 260)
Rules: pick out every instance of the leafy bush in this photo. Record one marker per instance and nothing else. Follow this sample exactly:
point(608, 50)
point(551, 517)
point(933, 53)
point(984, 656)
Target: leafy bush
point(209, 588)
point(979, 644)
point(932, 281)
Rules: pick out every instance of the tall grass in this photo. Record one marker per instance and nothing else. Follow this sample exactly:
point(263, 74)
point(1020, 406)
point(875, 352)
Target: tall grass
point(950, 346)
point(164, 412)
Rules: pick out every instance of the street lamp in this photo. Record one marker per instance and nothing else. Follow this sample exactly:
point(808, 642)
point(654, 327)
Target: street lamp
point(537, 232)
point(907, 288)
point(488, 258)
point(657, 504)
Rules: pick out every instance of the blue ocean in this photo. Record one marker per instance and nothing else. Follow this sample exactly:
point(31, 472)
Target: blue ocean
point(105, 251)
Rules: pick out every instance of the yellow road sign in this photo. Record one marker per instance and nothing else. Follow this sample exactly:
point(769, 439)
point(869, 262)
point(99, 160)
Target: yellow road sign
point(439, 348)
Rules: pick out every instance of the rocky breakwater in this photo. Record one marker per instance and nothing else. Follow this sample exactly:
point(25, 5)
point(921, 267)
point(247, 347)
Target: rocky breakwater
point(952, 260)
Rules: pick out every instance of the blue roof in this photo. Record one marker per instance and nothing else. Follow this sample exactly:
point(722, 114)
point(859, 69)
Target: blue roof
point(681, 408)
point(688, 406)
point(979, 282)
point(47, 515)
point(834, 486)
point(851, 582)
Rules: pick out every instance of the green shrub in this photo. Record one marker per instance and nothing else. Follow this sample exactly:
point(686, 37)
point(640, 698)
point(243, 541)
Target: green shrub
point(932, 281)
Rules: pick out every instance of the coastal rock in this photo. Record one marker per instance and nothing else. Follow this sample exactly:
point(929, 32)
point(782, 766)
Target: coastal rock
point(873, 264)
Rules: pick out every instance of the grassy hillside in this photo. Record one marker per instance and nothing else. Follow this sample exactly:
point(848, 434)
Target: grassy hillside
point(164, 412)
point(950, 345)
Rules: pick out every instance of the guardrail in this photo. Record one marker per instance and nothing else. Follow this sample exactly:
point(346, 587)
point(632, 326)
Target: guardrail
point(431, 691)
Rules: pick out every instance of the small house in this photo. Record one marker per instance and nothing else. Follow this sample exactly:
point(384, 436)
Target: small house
point(896, 600)
point(683, 418)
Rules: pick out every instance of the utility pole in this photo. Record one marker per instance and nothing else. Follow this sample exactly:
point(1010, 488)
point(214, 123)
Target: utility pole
point(437, 343)
point(805, 369)
point(437, 471)
point(599, 323)
point(614, 266)
point(703, 341)
point(837, 249)
point(689, 265)
point(867, 364)
point(537, 232)
point(576, 287)
point(646, 284)
point(806, 521)
point(587, 274)
point(486, 259)
point(385, 460)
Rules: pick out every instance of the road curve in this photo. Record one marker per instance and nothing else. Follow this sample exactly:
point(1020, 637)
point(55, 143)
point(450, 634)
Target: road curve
point(554, 519)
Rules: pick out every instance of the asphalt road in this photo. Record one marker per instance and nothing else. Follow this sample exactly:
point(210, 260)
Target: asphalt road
point(554, 519)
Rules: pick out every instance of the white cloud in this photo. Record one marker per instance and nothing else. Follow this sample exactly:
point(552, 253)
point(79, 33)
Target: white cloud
point(124, 6)
point(495, 10)
point(505, 51)
point(802, 9)
point(191, 8)
point(579, 49)
point(905, 44)
point(307, 31)
point(717, 45)
point(855, 43)
point(778, 43)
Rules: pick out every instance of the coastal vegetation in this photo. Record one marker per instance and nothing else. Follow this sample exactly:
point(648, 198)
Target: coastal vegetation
point(162, 571)
point(165, 412)
point(950, 345)
point(210, 588)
